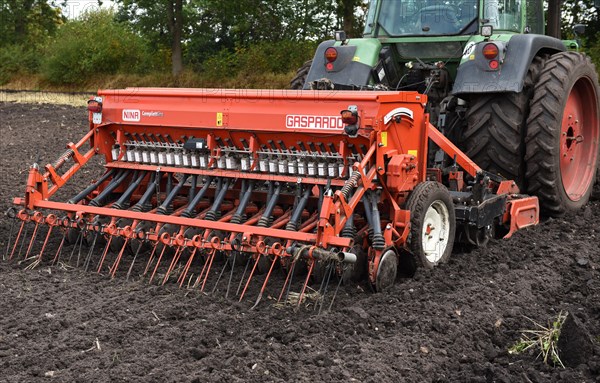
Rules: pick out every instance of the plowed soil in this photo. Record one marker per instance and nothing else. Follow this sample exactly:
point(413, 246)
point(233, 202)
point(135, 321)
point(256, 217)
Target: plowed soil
point(453, 324)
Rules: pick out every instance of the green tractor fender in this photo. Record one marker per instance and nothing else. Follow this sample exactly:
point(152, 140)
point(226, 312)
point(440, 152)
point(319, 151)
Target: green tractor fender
point(475, 74)
point(353, 65)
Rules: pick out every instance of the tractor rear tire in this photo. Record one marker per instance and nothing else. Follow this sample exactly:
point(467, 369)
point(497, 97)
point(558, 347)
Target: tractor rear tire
point(563, 134)
point(432, 224)
point(493, 138)
point(496, 128)
point(300, 79)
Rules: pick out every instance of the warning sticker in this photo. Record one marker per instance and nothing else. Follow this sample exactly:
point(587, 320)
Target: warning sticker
point(219, 119)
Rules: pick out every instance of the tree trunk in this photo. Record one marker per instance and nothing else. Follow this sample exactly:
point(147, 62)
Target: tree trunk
point(175, 21)
point(348, 16)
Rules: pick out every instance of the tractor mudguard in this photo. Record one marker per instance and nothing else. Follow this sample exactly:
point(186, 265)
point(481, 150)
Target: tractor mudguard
point(353, 66)
point(473, 77)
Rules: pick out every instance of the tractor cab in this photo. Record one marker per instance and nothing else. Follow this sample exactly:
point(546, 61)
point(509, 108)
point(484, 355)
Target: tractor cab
point(404, 18)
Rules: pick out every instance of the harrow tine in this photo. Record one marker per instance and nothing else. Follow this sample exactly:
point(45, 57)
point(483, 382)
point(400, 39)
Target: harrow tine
point(104, 253)
point(220, 275)
point(150, 259)
point(213, 254)
point(113, 269)
point(288, 278)
point(250, 276)
point(10, 233)
point(35, 230)
point(157, 263)
point(88, 259)
point(173, 264)
point(243, 275)
point(17, 240)
point(336, 290)
point(310, 270)
point(59, 251)
point(324, 286)
point(45, 243)
point(80, 247)
point(264, 286)
point(134, 258)
point(23, 242)
point(231, 274)
point(186, 268)
point(79, 238)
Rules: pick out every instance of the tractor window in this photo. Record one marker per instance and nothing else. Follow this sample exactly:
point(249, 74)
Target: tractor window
point(503, 15)
point(427, 17)
point(370, 24)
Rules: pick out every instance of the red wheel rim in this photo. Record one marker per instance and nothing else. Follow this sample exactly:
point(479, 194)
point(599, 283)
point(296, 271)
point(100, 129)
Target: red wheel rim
point(579, 140)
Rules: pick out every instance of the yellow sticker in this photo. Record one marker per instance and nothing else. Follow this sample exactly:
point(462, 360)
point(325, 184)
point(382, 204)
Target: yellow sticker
point(472, 57)
point(413, 153)
point(384, 138)
point(356, 58)
point(219, 119)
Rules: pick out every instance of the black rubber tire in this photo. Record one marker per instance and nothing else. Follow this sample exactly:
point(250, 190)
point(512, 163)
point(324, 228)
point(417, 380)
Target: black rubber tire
point(496, 126)
point(494, 135)
point(421, 198)
point(558, 76)
point(300, 77)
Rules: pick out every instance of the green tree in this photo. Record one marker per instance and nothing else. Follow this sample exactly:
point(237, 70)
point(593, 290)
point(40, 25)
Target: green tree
point(28, 21)
point(92, 46)
point(163, 21)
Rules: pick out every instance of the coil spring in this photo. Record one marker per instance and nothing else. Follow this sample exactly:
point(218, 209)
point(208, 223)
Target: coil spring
point(350, 185)
point(63, 159)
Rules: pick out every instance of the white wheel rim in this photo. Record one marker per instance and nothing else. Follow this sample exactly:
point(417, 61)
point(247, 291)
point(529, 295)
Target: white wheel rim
point(434, 234)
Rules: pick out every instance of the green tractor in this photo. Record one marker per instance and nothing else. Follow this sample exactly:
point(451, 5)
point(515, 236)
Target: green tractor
point(520, 103)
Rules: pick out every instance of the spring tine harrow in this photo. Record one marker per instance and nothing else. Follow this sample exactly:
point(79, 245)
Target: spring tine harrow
point(287, 283)
point(186, 268)
point(104, 253)
point(23, 241)
point(137, 252)
point(211, 258)
point(310, 270)
point(160, 257)
point(264, 286)
point(150, 258)
point(237, 293)
point(88, 259)
point(35, 230)
point(17, 239)
point(173, 264)
point(60, 247)
point(233, 263)
point(113, 268)
point(77, 241)
point(10, 233)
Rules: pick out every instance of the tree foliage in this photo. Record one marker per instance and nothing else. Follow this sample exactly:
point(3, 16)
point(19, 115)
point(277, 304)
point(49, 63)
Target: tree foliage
point(28, 21)
point(94, 45)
